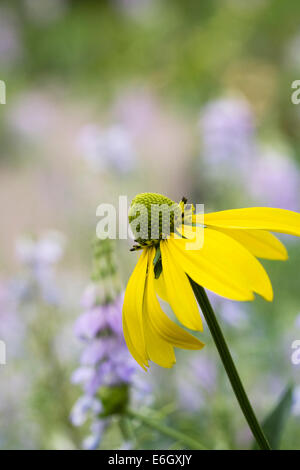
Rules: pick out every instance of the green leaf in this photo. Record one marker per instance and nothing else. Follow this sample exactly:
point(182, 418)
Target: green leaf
point(158, 269)
point(157, 263)
point(274, 423)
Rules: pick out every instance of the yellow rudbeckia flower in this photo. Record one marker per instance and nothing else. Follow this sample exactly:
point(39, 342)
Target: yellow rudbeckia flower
point(226, 264)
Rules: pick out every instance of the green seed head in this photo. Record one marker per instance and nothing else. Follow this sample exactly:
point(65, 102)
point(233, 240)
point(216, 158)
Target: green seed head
point(151, 217)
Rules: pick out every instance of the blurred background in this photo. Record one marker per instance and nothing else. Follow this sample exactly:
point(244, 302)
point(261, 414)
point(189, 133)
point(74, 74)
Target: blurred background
point(117, 97)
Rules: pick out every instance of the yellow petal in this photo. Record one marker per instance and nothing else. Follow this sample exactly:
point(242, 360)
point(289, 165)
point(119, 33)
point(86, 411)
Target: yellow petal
point(161, 323)
point(260, 243)
point(160, 287)
point(179, 291)
point(159, 350)
point(139, 359)
point(223, 266)
point(262, 218)
point(211, 276)
point(133, 311)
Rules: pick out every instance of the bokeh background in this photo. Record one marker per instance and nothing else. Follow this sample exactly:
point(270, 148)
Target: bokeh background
point(118, 97)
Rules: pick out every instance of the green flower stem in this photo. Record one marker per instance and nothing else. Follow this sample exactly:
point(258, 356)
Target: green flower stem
point(229, 365)
point(125, 428)
point(187, 441)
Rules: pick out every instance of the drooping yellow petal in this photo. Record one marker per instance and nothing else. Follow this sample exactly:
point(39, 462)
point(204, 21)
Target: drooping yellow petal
point(179, 291)
point(259, 242)
point(158, 349)
point(161, 323)
point(223, 266)
point(160, 287)
point(139, 359)
point(133, 325)
point(262, 218)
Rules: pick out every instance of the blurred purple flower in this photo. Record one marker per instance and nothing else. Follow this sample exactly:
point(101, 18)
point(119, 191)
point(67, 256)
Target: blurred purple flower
point(82, 375)
point(297, 321)
point(233, 313)
point(96, 351)
point(105, 361)
point(196, 382)
point(107, 149)
point(32, 115)
point(228, 135)
point(39, 257)
point(109, 366)
point(189, 397)
point(99, 318)
point(12, 328)
point(47, 250)
point(137, 111)
point(93, 441)
point(296, 401)
point(91, 322)
point(82, 407)
point(205, 372)
point(275, 180)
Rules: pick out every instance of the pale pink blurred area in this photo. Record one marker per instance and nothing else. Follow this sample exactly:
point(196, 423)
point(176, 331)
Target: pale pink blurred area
point(47, 187)
point(33, 115)
point(72, 156)
point(164, 140)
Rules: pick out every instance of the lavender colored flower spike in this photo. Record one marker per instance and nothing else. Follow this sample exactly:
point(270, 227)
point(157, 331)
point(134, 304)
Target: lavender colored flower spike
point(106, 365)
point(114, 319)
point(100, 318)
point(93, 441)
point(90, 323)
point(82, 375)
point(97, 351)
point(82, 407)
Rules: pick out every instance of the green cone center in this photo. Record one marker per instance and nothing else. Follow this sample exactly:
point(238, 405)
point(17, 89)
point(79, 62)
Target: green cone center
point(152, 217)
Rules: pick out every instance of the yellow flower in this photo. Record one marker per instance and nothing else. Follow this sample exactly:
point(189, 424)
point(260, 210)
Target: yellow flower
point(226, 264)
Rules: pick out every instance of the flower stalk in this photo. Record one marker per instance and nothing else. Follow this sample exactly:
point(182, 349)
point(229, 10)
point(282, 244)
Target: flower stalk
point(229, 365)
point(187, 441)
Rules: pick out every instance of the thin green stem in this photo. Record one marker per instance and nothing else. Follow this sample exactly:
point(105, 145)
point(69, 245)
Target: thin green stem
point(187, 441)
point(229, 365)
point(125, 428)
